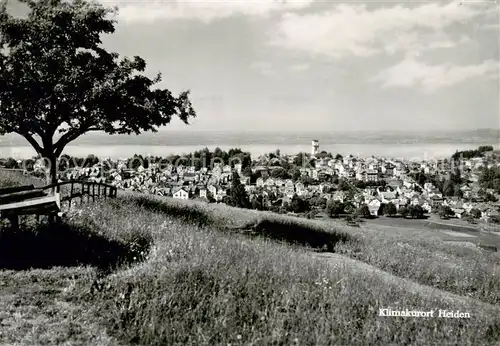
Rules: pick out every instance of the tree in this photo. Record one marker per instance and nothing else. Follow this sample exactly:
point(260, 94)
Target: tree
point(318, 202)
point(416, 211)
point(484, 148)
point(364, 211)
point(445, 212)
point(334, 208)
point(258, 202)
point(495, 219)
point(298, 205)
point(279, 173)
point(306, 180)
point(382, 209)
point(349, 207)
point(344, 185)
point(238, 197)
point(11, 163)
point(403, 211)
point(475, 213)
point(457, 192)
point(247, 171)
point(390, 209)
point(57, 82)
point(296, 174)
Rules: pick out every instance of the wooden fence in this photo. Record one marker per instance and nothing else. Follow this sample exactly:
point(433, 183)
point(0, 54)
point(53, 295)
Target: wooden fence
point(85, 191)
point(24, 200)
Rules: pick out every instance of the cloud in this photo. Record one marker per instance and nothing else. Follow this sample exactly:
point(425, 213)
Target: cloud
point(353, 30)
point(492, 26)
point(412, 73)
point(300, 67)
point(264, 68)
point(203, 10)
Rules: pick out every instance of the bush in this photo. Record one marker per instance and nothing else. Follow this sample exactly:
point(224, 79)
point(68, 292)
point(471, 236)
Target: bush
point(364, 212)
point(334, 208)
point(445, 212)
point(390, 209)
point(475, 213)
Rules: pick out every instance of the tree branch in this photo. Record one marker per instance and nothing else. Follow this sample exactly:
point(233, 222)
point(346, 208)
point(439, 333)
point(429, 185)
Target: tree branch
point(32, 141)
point(70, 136)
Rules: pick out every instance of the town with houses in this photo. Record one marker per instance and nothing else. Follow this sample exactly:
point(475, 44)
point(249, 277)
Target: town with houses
point(350, 180)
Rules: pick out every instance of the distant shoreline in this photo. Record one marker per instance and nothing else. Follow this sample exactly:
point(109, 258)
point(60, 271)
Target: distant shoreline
point(402, 151)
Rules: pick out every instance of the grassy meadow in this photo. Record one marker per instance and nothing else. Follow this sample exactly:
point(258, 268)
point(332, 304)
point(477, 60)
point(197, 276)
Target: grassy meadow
point(148, 270)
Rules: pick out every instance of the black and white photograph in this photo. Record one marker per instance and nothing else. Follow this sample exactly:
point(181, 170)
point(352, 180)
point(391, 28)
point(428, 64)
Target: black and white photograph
point(249, 172)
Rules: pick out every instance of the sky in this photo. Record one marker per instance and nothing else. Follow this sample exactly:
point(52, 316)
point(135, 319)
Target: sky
point(321, 65)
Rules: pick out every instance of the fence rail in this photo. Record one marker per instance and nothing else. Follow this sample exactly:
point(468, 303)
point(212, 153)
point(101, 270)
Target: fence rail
point(83, 190)
point(18, 201)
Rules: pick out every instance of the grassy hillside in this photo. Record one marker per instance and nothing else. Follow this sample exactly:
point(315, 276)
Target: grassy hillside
point(147, 270)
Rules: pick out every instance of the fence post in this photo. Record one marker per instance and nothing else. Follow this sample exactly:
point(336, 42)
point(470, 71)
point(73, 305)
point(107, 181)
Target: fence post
point(14, 221)
point(70, 199)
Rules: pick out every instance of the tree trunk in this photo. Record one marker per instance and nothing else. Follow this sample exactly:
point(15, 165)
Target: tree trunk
point(52, 177)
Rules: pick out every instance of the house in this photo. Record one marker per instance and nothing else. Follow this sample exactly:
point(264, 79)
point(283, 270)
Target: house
point(180, 193)
point(394, 184)
point(202, 192)
point(467, 193)
point(389, 169)
point(299, 186)
point(468, 207)
point(459, 212)
point(372, 175)
point(426, 205)
point(429, 187)
point(190, 177)
point(245, 180)
point(491, 214)
point(212, 189)
point(279, 182)
point(415, 201)
point(238, 168)
point(374, 206)
point(487, 212)
point(388, 196)
point(269, 182)
point(315, 174)
point(250, 188)
point(361, 175)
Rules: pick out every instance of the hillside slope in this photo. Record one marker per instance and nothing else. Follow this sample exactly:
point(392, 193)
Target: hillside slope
point(181, 274)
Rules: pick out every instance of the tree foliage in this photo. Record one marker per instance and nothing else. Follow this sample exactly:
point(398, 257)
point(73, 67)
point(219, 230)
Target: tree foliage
point(390, 209)
point(334, 208)
point(403, 211)
point(238, 197)
point(416, 211)
point(445, 212)
point(469, 154)
point(490, 178)
point(57, 82)
point(364, 212)
point(298, 205)
point(475, 213)
point(258, 202)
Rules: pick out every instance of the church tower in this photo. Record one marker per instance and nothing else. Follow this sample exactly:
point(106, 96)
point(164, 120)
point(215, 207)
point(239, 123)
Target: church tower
point(315, 147)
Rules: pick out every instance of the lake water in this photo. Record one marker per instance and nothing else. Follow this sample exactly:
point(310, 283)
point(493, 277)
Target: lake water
point(392, 144)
